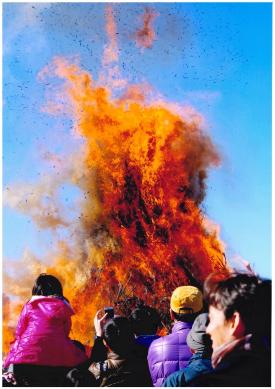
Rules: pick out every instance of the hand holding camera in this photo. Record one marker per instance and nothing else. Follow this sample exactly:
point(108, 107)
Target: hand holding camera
point(100, 320)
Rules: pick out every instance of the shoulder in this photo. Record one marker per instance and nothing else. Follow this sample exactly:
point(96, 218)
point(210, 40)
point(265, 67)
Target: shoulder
point(168, 348)
point(24, 314)
point(165, 340)
point(196, 368)
point(201, 362)
point(50, 305)
point(175, 379)
point(156, 347)
point(241, 373)
point(26, 307)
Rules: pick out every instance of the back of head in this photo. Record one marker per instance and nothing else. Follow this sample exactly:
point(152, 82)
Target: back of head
point(186, 303)
point(47, 285)
point(197, 339)
point(243, 293)
point(145, 320)
point(119, 335)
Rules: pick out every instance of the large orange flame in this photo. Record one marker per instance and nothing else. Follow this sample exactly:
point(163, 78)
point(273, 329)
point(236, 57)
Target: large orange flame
point(149, 167)
point(142, 231)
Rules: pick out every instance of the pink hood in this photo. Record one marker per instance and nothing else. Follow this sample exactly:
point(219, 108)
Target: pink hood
point(49, 309)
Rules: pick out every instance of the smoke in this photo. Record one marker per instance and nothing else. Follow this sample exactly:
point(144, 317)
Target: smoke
point(39, 201)
point(24, 275)
point(145, 36)
point(110, 73)
point(111, 49)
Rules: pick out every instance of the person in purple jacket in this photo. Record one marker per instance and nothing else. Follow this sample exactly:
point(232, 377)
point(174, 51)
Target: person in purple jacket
point(171, 352)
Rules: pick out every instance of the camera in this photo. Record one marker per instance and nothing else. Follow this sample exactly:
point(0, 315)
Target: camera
point(109, 311)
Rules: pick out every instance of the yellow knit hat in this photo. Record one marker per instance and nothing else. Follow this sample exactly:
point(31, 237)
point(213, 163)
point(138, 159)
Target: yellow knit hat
point(186, 299)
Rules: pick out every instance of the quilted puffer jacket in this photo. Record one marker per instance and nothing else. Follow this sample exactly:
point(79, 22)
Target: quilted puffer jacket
point(42, 335)
point(169, 353)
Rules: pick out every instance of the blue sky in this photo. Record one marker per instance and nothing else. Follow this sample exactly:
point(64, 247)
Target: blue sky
point(214, 56)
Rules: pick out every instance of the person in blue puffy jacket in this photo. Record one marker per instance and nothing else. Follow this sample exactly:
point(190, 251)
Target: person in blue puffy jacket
point(201, 346)
point(171, 352)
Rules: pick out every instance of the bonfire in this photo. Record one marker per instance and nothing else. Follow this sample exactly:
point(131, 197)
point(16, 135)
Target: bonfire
point(141, 229)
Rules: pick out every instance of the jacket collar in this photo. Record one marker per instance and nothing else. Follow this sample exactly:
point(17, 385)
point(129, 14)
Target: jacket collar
point(195, 356)
point(181, 325)
point(35, 299)
point(226, 349)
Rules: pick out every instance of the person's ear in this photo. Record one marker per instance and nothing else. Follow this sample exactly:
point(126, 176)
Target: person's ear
point(236, 325)
point(172, 314)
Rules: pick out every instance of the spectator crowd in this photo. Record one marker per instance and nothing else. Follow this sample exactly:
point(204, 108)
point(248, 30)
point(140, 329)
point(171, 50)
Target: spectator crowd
point(220, 336)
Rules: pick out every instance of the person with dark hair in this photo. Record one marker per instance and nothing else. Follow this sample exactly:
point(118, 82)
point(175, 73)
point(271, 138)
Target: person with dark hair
point(240, 329)
point(200, 345)
point(47, 285)
point(171, 352)
point(145, 321)
point(123, 365)
point(42, 351)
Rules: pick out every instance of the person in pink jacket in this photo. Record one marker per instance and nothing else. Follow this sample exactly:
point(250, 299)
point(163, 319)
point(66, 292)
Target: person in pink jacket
point(42, 333)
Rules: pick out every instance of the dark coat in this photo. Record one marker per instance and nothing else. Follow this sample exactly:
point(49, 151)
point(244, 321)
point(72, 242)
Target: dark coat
point(169, 353)
point(197, 365)
point(116, 370)
point(239, 368)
